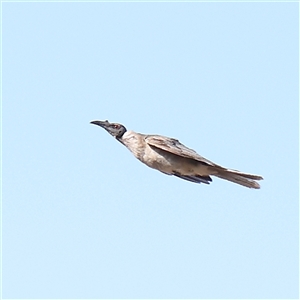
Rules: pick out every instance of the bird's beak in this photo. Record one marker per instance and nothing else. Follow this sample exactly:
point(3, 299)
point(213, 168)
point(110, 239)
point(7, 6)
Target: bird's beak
point(102, 124)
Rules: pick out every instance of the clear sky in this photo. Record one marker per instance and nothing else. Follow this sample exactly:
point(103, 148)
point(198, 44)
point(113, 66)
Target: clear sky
point(82, 218)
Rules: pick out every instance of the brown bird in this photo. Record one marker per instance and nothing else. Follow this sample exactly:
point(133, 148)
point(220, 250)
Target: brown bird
point(169, 156)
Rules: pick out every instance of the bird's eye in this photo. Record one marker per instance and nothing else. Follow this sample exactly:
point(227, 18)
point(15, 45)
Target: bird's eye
point(116, 126)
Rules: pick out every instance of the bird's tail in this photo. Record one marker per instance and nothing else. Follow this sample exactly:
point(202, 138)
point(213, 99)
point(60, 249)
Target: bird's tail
point(248, 180)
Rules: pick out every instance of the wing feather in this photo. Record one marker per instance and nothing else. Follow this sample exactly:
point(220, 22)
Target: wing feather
point(174, 146)
point(196, 178)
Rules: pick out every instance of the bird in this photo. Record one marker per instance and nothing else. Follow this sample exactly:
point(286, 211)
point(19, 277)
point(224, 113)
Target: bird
point(170, 157)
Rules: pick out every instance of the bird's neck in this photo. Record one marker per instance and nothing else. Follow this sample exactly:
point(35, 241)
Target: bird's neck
point(134, 142)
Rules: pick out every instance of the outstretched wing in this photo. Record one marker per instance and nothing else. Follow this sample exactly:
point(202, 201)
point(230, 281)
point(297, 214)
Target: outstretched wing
point(175, 147)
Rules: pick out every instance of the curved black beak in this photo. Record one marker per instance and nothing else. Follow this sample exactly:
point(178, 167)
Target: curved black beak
point(100, 123)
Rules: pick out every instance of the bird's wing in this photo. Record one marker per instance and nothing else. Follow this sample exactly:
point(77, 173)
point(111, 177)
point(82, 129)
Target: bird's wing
point(175, 147)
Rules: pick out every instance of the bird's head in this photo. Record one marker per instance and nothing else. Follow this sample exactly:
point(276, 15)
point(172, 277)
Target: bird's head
point(115, 129)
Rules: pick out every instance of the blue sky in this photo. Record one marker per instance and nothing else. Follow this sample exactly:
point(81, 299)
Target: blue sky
point(81, 217)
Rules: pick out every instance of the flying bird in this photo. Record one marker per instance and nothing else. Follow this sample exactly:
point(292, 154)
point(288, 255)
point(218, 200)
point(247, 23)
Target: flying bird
point(169, 156)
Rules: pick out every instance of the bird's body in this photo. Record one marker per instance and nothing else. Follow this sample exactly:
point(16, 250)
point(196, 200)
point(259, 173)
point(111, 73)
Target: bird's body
point(171, 157)
point(145, 148)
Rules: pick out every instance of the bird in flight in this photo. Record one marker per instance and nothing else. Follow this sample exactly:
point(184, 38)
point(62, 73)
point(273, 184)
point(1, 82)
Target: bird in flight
point(170, 157)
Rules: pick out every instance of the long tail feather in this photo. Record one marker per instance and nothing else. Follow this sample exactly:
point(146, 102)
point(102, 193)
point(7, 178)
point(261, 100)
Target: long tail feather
point(238, 177)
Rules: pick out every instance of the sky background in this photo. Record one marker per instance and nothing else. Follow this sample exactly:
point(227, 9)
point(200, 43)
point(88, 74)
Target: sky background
point(82, 218)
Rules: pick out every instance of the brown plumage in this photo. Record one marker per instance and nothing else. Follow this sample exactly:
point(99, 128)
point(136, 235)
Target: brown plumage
point(171, 157)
